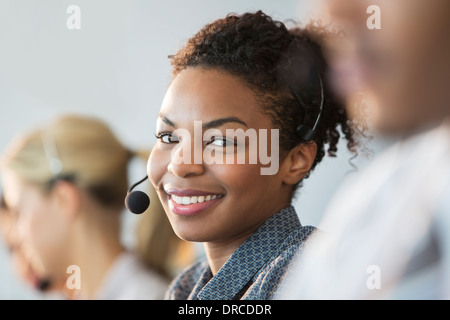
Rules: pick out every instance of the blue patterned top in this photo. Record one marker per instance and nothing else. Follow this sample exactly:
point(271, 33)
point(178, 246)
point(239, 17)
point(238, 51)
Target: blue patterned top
point(253, 271)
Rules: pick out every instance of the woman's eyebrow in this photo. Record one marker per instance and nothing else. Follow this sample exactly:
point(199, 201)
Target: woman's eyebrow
point(166, 120)
point(219, 122)
point(208, 125)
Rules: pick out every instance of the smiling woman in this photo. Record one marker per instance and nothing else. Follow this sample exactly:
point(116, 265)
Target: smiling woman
point(244, 74)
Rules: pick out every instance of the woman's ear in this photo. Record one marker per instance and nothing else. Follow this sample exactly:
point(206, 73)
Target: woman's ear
point(298, 162)
point(67, 198)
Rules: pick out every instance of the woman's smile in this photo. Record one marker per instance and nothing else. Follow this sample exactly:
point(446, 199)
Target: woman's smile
point(186, 202)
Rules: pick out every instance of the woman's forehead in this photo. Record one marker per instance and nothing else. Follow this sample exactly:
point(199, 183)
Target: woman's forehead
point(198, 94)
point(14, 188)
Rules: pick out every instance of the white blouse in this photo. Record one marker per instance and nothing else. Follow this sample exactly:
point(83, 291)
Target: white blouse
point(129, 279)
point(387, 231)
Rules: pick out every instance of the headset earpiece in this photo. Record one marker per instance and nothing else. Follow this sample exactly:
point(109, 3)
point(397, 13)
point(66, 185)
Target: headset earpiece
point(306, 133)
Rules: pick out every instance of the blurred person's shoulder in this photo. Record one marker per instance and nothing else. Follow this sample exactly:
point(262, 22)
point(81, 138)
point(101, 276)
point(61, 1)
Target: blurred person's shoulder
point(129, 279)
point(404, 195)
point(426, 274)
point(418, 165)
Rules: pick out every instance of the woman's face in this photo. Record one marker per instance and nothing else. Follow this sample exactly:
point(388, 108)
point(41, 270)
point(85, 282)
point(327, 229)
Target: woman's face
point(20, 255)
point(39, 230)
point(226, 201)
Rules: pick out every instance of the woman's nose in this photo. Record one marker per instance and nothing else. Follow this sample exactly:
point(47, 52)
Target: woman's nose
point(186, 159)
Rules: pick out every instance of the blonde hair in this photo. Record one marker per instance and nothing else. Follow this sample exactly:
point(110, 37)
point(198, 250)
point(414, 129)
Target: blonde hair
point(154, 230)
point(89, 152)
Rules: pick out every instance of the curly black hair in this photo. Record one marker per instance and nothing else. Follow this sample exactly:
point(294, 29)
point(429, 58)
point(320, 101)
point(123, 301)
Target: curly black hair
point(285, 69)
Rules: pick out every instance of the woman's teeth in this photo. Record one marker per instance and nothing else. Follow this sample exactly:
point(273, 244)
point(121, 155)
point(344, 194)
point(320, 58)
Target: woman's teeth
point(195, 199)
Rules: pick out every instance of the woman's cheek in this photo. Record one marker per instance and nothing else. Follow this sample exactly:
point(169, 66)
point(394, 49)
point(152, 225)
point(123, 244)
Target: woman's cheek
point(237, 178)
point(40, 230)
point(157, 165)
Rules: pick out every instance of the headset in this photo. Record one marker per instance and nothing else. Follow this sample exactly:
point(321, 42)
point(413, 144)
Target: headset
point(138, 202)
point(306, 133)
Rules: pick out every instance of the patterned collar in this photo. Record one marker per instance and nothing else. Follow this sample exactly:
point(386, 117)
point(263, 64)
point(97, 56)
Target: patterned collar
point(255, 253)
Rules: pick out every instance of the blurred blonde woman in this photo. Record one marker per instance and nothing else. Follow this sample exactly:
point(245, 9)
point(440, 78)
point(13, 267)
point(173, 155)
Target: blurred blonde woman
point(65, 185)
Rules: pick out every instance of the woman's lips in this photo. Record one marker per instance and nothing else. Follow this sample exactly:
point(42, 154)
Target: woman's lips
point(186, 202)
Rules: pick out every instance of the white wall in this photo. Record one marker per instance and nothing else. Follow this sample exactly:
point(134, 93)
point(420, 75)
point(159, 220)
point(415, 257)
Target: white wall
point(115, 67)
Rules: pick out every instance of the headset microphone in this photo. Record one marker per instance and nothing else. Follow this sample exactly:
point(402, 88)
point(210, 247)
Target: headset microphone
point(137, 202)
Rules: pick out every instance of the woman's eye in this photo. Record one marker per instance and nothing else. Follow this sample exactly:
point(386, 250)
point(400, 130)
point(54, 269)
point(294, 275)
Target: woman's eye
point(221, 142)
point(167, 137)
